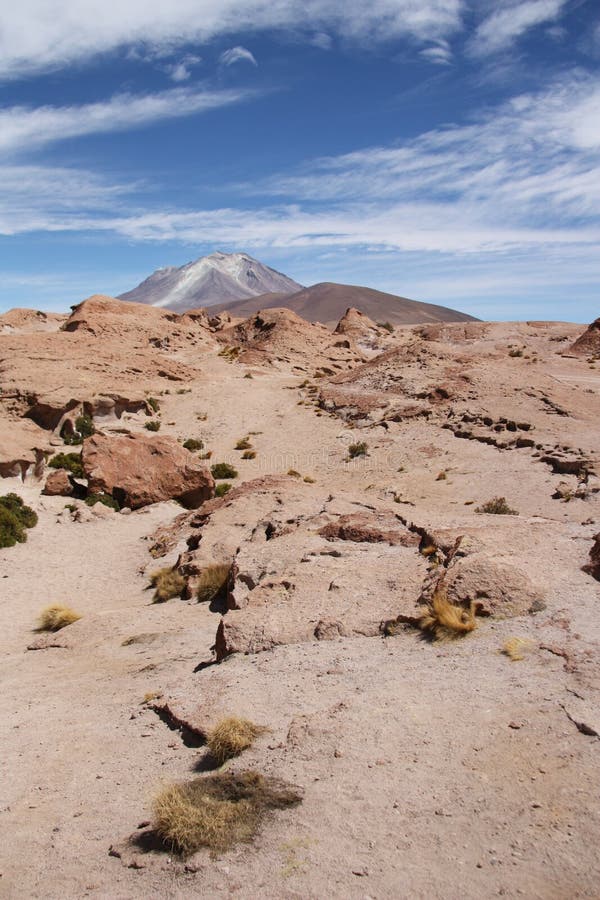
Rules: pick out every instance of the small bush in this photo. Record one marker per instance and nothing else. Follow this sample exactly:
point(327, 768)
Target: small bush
point(516, 648)
point(84, 427)
point(358, 449)
point(231, 737)
point(294, 473)
point(193, 444)
point(249, 454)
point(445, 620)
point(309, 479)
point(217, 811)
point(152, 425)
point(55, 617)
point(223, 470)
point(69, 461)
point(212, 584)
point(222, 489)
point(243, 444)
point(497, 506)
point(15, 517)
point(105, 499)
point(11, 530)
point(153, 403)
point(168, 583)
point(248, 375)
point(387, 325)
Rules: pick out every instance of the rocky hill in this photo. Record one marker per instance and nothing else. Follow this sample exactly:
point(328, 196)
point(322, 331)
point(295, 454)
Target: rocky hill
point(379, 547)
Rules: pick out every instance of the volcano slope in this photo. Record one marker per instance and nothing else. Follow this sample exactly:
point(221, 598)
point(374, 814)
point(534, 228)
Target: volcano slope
point(428, 768)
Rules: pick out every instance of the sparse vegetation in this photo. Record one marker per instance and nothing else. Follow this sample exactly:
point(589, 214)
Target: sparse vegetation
point(84, 427)
point(153, 403)
point(193, 444)
point(168, 583)
point(294, 473)
point(497, 506)
point(309, 479)
point(243, 444)
point(105, 499)
point(222, 489)
point(217, 811)
point(516, 648)
point(55, 617)
point(231, 737)
point(248, 375)
point(152, 425)
point(358, 449)
point(249, 454)
point(223, 470)
point(69, 461)
point(15, 517)
point(444, 619)
point(212, 584)
point(387, 325)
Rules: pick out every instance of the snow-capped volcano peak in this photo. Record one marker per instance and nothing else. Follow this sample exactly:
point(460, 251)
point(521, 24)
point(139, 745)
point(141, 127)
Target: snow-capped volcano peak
point(216, 278)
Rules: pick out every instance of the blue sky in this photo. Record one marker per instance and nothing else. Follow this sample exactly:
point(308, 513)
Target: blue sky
point(444, 150)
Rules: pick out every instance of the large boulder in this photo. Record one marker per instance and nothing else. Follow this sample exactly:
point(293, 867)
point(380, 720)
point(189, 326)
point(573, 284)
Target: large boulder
point(138, 470)
point(58, 484)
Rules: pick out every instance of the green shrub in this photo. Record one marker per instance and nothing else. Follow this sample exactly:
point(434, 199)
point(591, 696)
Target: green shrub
point(15, 517)
point(153, 403)
point(243, 444)
point(193, 444)
point(222, 489)
point(105, 499)
point(387, 325)
point(152, 425)
point(84, 427)
point(69, 461)
point(358, 449)
point(223, 470)
point(249, 454)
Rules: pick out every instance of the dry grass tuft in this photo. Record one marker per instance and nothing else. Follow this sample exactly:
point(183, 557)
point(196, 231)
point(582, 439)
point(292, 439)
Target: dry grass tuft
point(516, 648)
point(445, 620)
point(55, 617)
point(168, 583)
point(218, 811)
point(212, 584)
point(231, 737)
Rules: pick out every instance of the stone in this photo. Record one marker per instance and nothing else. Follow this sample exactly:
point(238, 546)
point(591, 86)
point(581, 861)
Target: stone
point(58, 484)
point(138, 470)
point(593, 567)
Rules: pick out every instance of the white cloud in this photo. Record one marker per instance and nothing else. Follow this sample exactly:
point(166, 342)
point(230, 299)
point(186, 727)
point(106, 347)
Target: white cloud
point(23, 128)
point(505, 25)
point(182, 70)
point(439, 54)
point(39, 34)
point(237, 54)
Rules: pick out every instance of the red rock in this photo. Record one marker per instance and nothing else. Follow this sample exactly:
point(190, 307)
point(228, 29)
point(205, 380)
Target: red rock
point(589, 342)
point(139, 470)
point(58, 484)
point(593, 567)
point(372, 529)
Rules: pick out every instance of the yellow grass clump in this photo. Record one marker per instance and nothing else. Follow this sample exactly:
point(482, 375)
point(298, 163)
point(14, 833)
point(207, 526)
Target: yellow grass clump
point(516, 648)
point(212, 583)
point(217, 811)
point(168, 583)
point(445, 620)
point(231, 737)
point(55, 617)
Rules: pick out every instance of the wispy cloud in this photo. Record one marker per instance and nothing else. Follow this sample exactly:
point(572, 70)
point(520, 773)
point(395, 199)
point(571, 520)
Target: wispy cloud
point(505, 25)
point(25, 128)
point(237, 54)
point(439, 54)
point(39, 34)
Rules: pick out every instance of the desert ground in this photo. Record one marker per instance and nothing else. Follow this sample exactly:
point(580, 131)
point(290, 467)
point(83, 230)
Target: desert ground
point(430, 766)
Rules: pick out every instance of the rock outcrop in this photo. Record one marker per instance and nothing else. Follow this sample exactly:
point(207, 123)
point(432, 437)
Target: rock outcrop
point(138, 470)
point(58, 484)
point(593, 567)
point(589, 342)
